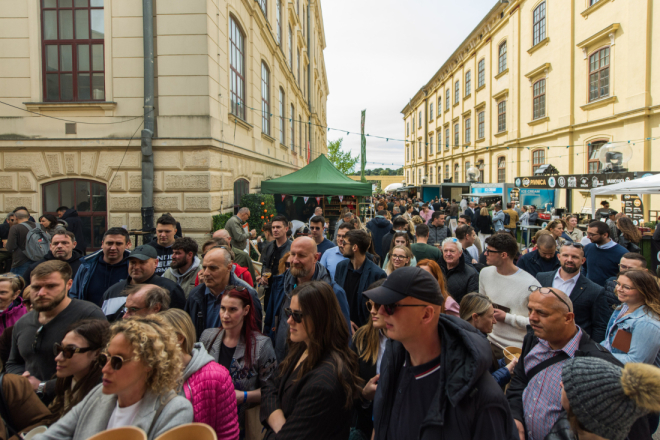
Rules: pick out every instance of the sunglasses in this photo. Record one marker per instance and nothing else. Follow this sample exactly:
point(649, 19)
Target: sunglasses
point(237, 288)
point(372, 305)
point(390, 308)
point(548, 291)
point(297, 316)
point(69, 350)
point(490, 251)
point(116, 362)
point(315, 228)
point(36, 338)
point(573, 244)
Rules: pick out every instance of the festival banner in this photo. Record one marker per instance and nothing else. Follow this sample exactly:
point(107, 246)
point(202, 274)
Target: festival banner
point(318, 200)
point(305, 199)
point(341, 199)
point(283, 197)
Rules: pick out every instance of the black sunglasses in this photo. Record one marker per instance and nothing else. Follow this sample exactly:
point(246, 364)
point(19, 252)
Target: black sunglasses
point(547, 291)
point(315, 228)
point(391, 308)
point(371, 305)
point(235, 287)
point(297, 316)
point(69, 350)
point(36, 338)
point(116, 362)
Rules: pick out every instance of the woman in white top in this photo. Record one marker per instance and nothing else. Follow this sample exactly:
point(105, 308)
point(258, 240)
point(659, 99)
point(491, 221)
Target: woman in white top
point(142, 369)
point(524, 221)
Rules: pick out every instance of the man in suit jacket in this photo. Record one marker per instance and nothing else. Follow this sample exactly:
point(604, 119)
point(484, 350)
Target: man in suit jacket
point(592, 311)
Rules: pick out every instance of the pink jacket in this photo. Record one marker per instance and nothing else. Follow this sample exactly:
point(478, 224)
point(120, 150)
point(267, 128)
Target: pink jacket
point(452, 307)
point(208, 386)
point(9, 317)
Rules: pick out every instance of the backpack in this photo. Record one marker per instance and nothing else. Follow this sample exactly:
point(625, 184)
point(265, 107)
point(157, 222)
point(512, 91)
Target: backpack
point(507, 219)
point(37, 243)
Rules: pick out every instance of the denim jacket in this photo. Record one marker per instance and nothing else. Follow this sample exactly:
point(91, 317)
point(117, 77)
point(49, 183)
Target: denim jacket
point(645, 328)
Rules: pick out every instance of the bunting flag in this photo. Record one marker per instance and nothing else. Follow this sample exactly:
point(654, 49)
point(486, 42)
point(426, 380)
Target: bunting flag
point(341, 199)
point(318, 200)
point(305, 199)
point(294, 198)
point(283, 197)
point(329, 199)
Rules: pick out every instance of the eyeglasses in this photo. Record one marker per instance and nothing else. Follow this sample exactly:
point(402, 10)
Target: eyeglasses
point(547, 291)
point(297, 316)
point(237, 288)
point(623, 286)
point(399, 257)
point(36, 338)
point(116, 362)
point(490, 251)
point(372, 305)
point(591, 234)
point(69, 350)
point(132, 310)
point(391, 308)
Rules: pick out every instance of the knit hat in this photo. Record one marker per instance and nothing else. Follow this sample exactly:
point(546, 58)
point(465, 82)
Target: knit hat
point(608, 399)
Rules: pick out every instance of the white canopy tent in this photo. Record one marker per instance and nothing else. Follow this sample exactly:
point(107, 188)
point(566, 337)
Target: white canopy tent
point(393, 187)
point(644, 185)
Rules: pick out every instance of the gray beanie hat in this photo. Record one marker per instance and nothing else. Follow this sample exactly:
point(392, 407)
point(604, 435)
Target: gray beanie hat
point(608, 399)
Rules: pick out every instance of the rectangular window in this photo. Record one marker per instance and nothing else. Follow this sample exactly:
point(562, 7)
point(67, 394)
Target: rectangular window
point(501, 170)
point(293, 130)
point(263, 6)
point(447, 176)
point(439, 106)
point(299, 134)
point(481, 133)
point(290, 49)
point(430, 144)
point(468, 130)
point(457, 92)
point(446, 138)
point(279, 22)
point(502, 58)
point(457, 172)
point(420, 119)
point(282, 117)
point(439, 133)
point(407, 128)
point(538, 159)
point(407, 154)
point(265, 99)
point(456, 136)
point(419, 149)
point(599, 74)
point(447, 100)
point(468, 83)
point(237, 66)
point(482, 73)
point(594, 156)
point(539, 24)
point(298, 68)
point(430, 111)
point(73, 50)
point(413, 122)
point(501, 116)
point(539, 99)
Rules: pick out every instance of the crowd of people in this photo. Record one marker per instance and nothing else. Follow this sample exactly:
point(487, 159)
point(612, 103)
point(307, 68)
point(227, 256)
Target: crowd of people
point(428, 321)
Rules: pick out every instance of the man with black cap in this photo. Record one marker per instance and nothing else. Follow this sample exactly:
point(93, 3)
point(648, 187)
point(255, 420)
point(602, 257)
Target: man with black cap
point(434, 380)
point(142, 264)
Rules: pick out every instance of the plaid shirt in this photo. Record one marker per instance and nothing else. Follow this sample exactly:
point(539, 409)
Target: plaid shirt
point(542, 397)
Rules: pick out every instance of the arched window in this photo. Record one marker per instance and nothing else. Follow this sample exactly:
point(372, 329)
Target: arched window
point(539, 24)
point(237, 66)
point(457, 173)
point(538, 159)
point(502, 57)
point(87, 197)
point(241, 187)
point(265, 99)
point(282, 117)
point(501, 169)
point(594, 152)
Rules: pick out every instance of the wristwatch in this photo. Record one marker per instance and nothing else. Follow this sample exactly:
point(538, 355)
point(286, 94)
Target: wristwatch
point(40, 389)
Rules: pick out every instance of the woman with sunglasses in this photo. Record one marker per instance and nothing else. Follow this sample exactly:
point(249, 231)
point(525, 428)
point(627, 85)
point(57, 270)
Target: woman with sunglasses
point(402, 256)
point(369, 345)
point(78, 366)
point(240, 347)
point(312, 395)
point(285, 263)
point(11, 303)
point(450, 307)
point(633, 332)
point(205, 383)
point(142, 370)
point(399, 239)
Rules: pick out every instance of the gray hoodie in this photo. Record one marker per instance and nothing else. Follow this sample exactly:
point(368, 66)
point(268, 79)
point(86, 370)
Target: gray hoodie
point(186, 280)
point(200, 357)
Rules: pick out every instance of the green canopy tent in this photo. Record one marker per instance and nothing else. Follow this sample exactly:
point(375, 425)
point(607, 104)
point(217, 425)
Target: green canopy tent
point(319, 178)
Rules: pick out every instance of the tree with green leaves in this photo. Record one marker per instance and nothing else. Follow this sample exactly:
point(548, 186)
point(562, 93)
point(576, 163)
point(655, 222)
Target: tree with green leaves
point(343, 161)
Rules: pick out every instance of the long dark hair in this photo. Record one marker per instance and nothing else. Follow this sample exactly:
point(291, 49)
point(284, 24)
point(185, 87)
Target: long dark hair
point(97, 334)
point(328, 336)
point(366, 339)
point(249, 329)
point(629, 230)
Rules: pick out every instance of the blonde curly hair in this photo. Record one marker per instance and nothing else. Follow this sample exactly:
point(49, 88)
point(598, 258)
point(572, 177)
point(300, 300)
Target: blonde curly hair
point(154, 343)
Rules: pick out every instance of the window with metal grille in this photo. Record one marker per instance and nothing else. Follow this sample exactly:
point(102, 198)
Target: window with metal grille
point(293, 128)
point(599, 74)
point(430, 111)
point(265, 99)
point(447, 99)
point(538, 159)
point(73, 50)
point(263, 4)
point(457, 92)
point(456, 135)
point(282, 117)
point(539, 24)
point(237, 66)
point(290, 49)
point(502, 58)
point(481, 130)
point(457, 173)
point(468, 82)
point(501, 116)
point(594, 152)
point(481, 80)
point(279, 21)
point(446, 138)
point(468, 130)
point(501, 169)
point(539, 99)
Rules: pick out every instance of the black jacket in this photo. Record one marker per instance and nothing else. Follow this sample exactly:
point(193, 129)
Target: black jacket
point(533, 264)
point(379, 227)
point(4, 230)
point(468, 404)
point(269, 251)
point(74, 262)
point(177, 297)
point(437, 234)
point(74, 224)
point(370, 274)
point(629, 245)
point(196, 304)
point(587, 347)
point(460, 280)
point(592, 311)
point(164, 256)
point(483, 224)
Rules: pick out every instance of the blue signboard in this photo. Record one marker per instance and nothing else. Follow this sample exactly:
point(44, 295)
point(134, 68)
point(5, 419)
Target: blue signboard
point(541, 198)
point(486, 191)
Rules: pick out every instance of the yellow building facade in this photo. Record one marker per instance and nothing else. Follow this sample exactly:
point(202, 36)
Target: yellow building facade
point(541, 82)
point(240, 95)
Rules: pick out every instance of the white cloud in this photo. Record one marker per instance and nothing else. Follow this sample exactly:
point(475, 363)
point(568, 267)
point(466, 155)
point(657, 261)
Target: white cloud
point(379, 54)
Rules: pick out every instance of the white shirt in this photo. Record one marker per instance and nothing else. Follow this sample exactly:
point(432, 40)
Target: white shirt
point(608, 245)
point(123, 416)
point(565, 286)
point(474, 252)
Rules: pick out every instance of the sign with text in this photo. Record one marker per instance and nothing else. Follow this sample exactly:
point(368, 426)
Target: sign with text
point(632, 206)
point(579, 181)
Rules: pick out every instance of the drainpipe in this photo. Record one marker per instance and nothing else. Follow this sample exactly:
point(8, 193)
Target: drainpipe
point(149, 129)
point(309, 76)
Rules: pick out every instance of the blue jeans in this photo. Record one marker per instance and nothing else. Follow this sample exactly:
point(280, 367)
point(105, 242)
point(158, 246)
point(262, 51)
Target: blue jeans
point(20, 270)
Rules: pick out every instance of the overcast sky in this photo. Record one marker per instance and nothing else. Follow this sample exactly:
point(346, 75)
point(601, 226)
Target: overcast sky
point(379, 54)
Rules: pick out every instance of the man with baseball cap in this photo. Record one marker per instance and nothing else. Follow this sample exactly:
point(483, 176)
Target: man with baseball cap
point(142, 264)
point(434, 380)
